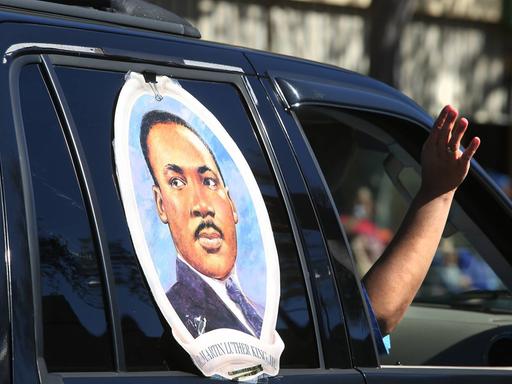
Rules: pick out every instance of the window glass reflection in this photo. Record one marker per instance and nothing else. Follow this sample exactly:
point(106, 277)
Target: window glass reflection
point(75, 329)
point(368, 163)
point(148, 344)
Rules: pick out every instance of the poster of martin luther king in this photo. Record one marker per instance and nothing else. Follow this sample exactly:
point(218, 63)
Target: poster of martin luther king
point(200, 228)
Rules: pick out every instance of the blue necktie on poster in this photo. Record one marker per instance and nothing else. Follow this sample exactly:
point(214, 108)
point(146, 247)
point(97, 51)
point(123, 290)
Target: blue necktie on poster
point(247, 309)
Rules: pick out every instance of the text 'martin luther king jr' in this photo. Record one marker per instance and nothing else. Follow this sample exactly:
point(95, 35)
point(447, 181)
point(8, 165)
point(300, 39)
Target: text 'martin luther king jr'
point(192, 199)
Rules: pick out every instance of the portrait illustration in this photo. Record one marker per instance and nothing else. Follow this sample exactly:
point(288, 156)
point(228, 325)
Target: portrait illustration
point(200, 228)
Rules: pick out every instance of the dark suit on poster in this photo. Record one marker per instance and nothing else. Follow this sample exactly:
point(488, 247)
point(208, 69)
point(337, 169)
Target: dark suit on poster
point(198, 306)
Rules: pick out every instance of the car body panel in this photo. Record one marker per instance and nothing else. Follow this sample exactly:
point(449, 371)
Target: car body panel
point(32, 29)
point(5, 353)
point(275, 86)
point(361, 339)
point(430, 374)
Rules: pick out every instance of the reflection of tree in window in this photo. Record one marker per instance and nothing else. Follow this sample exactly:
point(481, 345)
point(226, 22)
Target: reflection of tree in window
point(72, 294)
point(70, 291)
point(60, 265)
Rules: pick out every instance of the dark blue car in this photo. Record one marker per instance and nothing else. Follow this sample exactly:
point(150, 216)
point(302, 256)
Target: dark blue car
point(323, 144)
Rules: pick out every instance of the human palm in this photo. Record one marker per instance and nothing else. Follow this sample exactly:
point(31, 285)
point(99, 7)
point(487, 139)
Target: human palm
point(444, 164)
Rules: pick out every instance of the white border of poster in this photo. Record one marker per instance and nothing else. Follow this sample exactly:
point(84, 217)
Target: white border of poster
point(227, 352)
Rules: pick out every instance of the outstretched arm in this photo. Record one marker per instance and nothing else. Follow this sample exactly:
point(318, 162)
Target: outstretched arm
point(394, 279)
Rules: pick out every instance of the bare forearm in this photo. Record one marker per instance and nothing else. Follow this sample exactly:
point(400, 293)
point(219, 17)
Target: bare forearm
point(395, 278)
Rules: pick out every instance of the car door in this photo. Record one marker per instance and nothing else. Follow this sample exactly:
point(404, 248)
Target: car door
point(364, 140)
point(5, 369)
point(74, 263)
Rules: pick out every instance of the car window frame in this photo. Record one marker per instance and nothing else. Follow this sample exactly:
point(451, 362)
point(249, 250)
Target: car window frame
point(423, 121)
point(295, 90)
point(412, 159)
point(25, 361)
point(242, 82)
point(5, 312)
point(347, 284)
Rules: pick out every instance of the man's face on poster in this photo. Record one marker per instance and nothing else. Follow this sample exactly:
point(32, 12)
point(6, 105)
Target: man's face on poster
point(192, 200)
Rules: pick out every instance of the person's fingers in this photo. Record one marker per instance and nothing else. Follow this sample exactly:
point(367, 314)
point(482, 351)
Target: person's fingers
point(457, 134)
point(471, 149)
point(438, 124)
point(446, 130)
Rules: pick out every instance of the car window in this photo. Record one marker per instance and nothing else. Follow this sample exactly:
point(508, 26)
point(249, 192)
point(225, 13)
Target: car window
point(148, 342)
point(73, 306)
point(371, 171)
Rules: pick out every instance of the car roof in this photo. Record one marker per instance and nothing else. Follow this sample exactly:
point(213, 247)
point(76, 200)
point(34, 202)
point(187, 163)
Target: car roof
point(366, 91)
point(132, 13)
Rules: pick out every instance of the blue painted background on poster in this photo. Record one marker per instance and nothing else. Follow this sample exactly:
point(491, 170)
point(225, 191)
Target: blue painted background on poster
point(250, 264)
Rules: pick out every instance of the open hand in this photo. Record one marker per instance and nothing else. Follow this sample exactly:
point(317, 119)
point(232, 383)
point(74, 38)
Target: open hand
point(444, 165)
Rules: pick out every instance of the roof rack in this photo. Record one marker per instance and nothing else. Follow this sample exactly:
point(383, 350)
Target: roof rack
point(132, 13)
